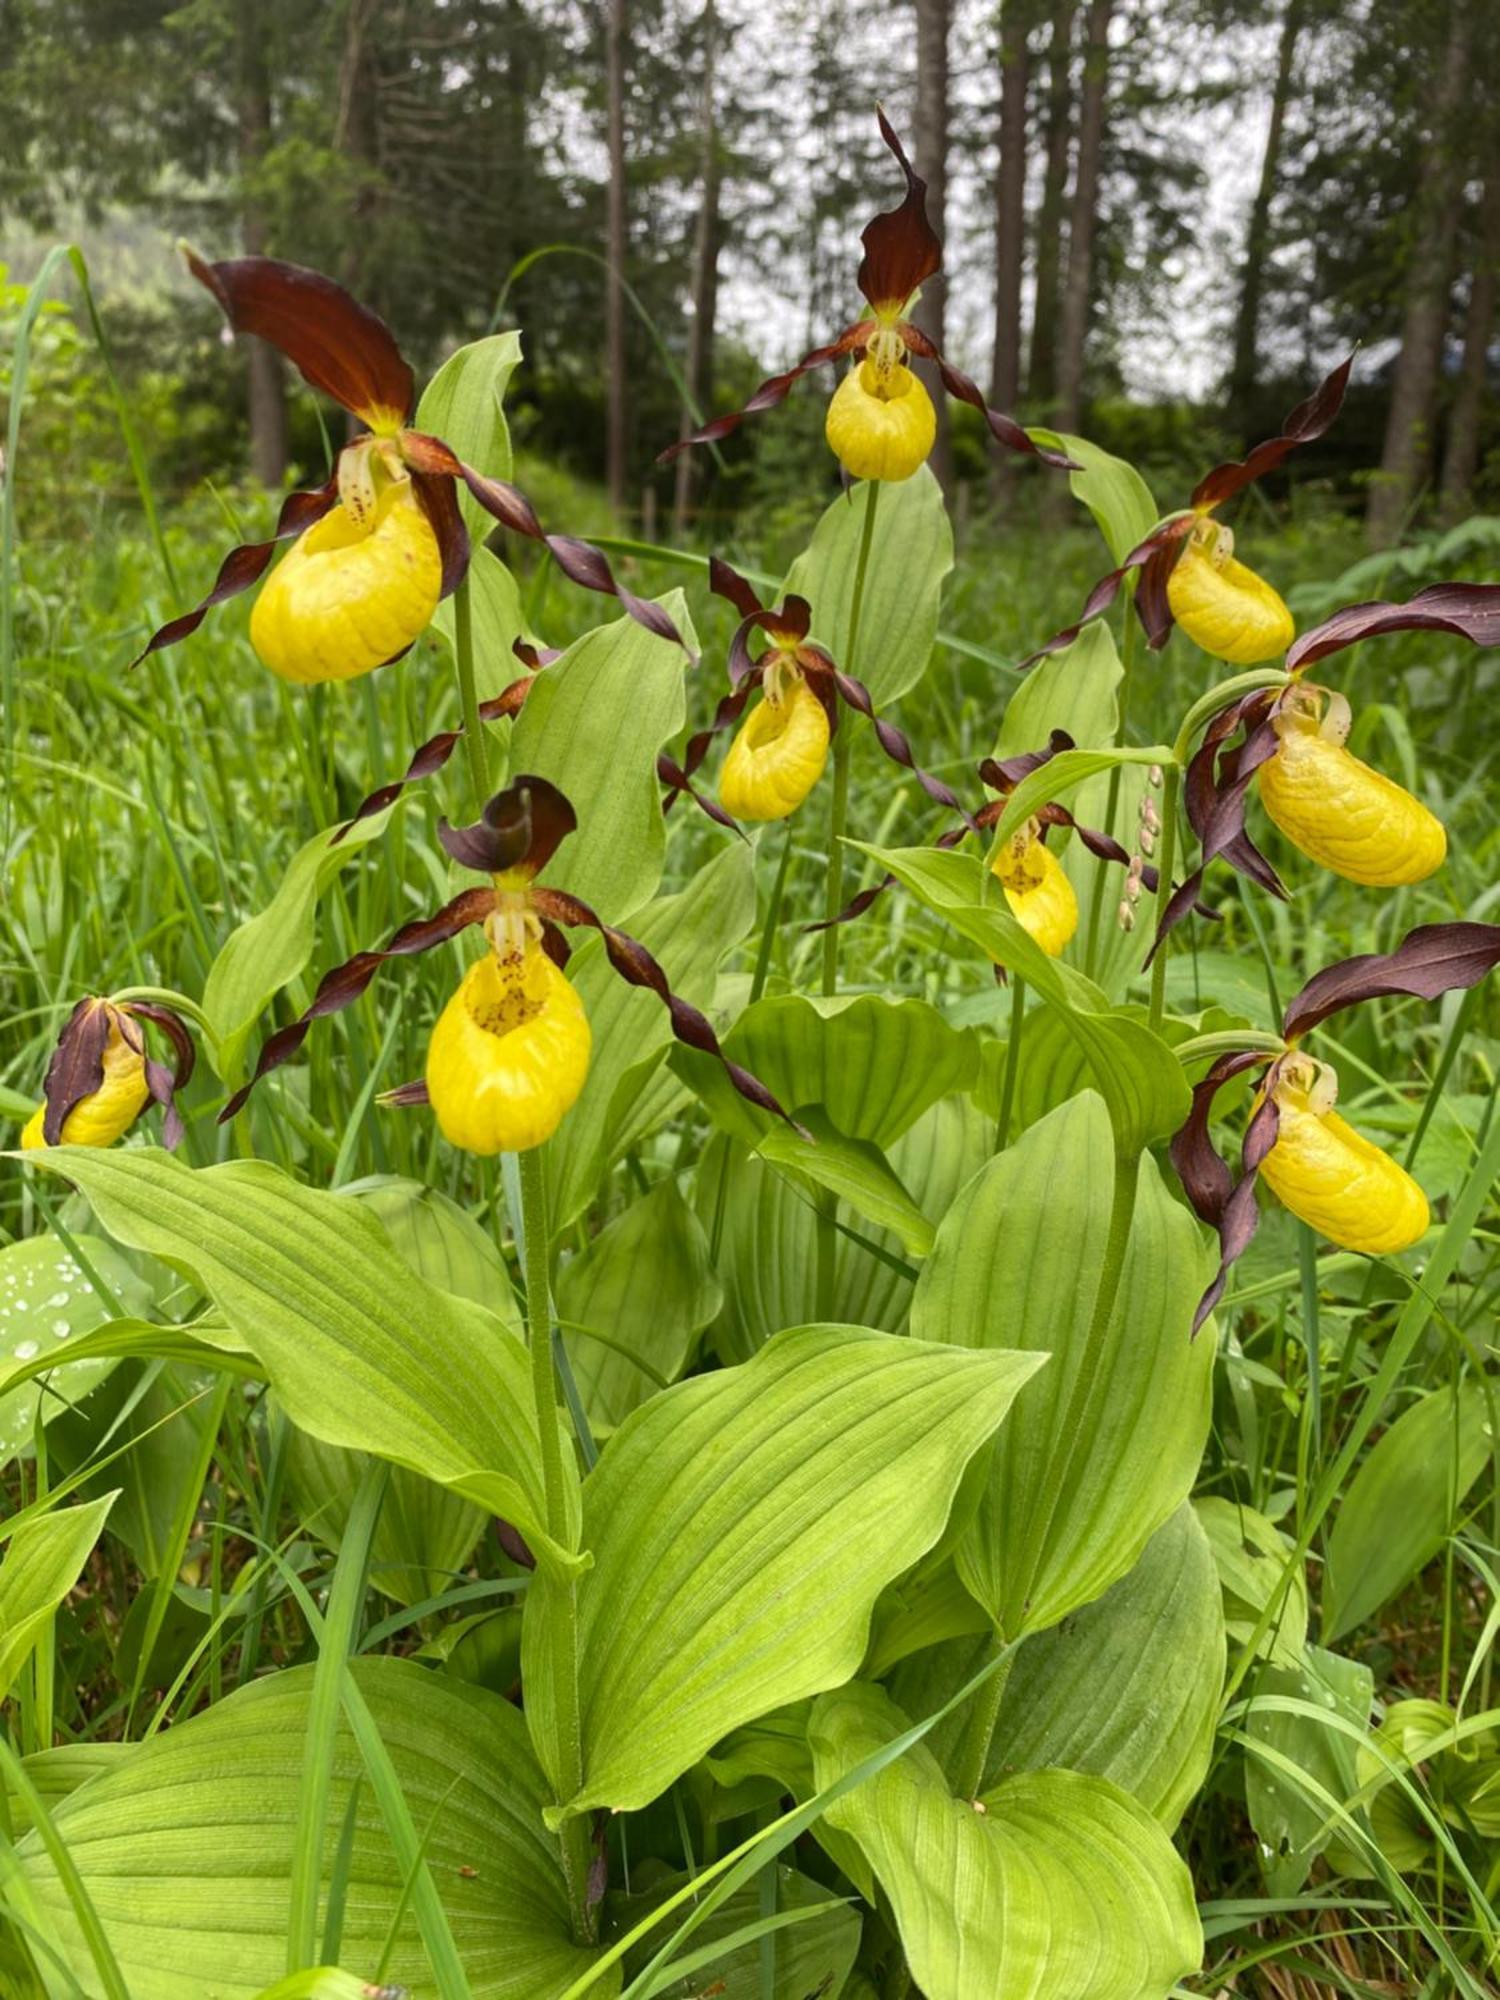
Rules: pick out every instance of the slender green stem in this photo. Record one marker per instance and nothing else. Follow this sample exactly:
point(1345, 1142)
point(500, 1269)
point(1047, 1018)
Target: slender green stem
point(773, 917)
point(840, 809)
point(1310, 1432)
point(476, 747)
point(1012, 1062)
point(979, 1732)
point(1112, 800)
point(1171, 800)
point(557, 1602)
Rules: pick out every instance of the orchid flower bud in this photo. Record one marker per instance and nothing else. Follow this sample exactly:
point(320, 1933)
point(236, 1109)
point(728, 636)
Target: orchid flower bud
point(353, 591)
point(107, 1113)
point(881, 423)
point(778, 754)
point(1037, 889)
point(1333, 1178)
point(509, 1053)
point(1340, 813)
point(1224, 607)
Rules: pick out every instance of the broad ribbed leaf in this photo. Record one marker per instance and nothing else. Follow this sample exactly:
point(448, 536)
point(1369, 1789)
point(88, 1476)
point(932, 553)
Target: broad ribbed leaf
point(440, 1241)
point(1290, 1819)
point(1404, 1501)
point(1098, 1454)
point(854, 1172)
point(1134, 1071)
point(46, 1301)
point(41, 1564)
point(593, 724)
point(688, 934)
point(1063, 1887)
point(361, 1352)
point(464, 405)
point(811, 1956)
point(185, 1847)
point(742, 1525)
point(911, 553)
point(1112, 490)
point(644, 1282)
point(1251, 1555)
point(268, 951)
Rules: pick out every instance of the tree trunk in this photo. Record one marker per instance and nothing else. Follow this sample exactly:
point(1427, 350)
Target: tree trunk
point(1041, 373)
point(1429, 285)
point(1010, 230)
point(1462, 454)
point(930, 146)
point(617, 424)
point(267, 394)
point(700, 354)
point(1078, 289)
point(1243, 372)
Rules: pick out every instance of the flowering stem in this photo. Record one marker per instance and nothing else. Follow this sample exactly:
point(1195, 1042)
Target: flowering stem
point(1012, 1065)
point(1171, 800)
point(979, 1734)
point(840, 812)
point(476, 748)
point(557, 1598)
point(773, 917)
point(1112, 801)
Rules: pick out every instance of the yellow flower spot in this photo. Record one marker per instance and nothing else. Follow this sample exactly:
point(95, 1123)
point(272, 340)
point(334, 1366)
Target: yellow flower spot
point(1333, 1178)
point(1339, 812)
point(1037, 889)
point(349, 595)
point(880, 423)
point(110, 1111)
point(778, 754)
point(1224, 607)
point(509, 1054)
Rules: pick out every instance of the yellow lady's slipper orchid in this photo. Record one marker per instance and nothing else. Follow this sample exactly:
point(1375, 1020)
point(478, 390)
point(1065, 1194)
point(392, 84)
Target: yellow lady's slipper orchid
point(881, 423)
point(778, 754)
point(1343, 815)
point(107, 1113)
point(1333, 1178)
point(509, 1054)
point(1037, 889)
point(1224, 607)
point(348, 596)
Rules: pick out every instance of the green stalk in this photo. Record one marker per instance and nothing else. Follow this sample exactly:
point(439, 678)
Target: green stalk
point(1112, 801)
point(773, 917)
point(1012, 1062)
point(1171, 801)
point(559, 1602)
point(834, 901)
point(476, 748)
point(979, 1733)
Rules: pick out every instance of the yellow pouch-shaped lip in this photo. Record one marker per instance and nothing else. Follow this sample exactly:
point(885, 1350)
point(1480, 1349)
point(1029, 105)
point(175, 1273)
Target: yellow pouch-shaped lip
point(1226, 608)
point(1039, 893)
point(880, 428)
point(1345, 816)
point(777, 755)
point(108, 1114)
point(1337, 1182)
point(344, 600)
point(509, 1054)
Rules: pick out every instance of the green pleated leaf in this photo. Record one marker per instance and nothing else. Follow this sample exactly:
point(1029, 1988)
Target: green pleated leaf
point(1290, 1820)
point(594, 724)
point(361, 1352)
point(464, 405)
point(1100, 1453)
point(646, 1284)
point(42, 1561)
point(911, 553)
point(1112, 490)
point(1062, 1887)
point(1251, 1555)
point(47, 1303)
point(440, 1241)
point(730, 1522)
point(853, 1171)
point(185, 1847)
point(268, 951)
point(812, 1955)
point(1133, 1070)
point(1404, 1501)
point(689, 934)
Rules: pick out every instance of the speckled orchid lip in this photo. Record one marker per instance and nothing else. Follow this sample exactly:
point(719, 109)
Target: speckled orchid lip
point(347, 351)
point(512, 841)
